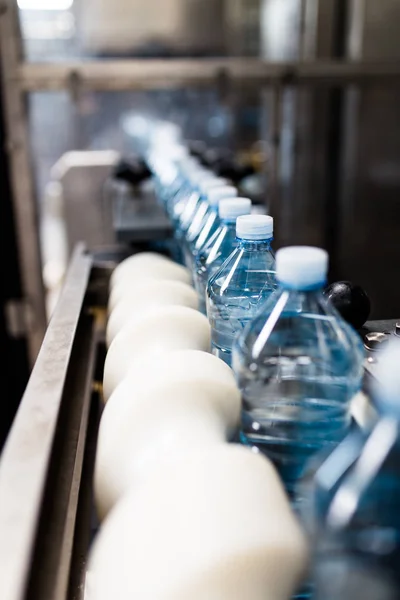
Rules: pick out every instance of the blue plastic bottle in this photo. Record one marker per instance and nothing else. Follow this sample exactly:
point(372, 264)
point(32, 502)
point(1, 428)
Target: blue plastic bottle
point(219, 246)
point(237, 291)
point(358, 546)
point(298, 365)
point(205, 221)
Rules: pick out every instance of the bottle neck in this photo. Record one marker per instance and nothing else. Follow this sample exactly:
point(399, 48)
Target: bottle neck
point(229, 223)
point(255, 245)
point(310, 290)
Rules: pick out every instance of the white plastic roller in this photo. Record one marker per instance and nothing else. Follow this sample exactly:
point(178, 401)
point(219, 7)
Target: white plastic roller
point(160, 426)
point(195, 368)
point(146, 297)
point(136, 261)
point(131, 273)
point(167, 329)
point(200, 405)
point(215, 525)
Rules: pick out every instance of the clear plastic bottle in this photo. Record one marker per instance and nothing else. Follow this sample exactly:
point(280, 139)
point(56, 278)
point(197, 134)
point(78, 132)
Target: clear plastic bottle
point(237, 291)
point(182, 184)
point(358, 547)
point(298, 365)
point(220, 244)
point(198, 198)
point(170, 171)
point(205, 221)
point(184, 202)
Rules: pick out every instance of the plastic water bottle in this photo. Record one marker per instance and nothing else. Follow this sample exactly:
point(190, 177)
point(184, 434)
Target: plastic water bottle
point(202, 184)
point(219, 246)
point(205, 221)
point(237, 291)
point(186, 201)
point(298, 365)
point(358, 545)
point(181, 186)
point(170, 172)
point(188, 194)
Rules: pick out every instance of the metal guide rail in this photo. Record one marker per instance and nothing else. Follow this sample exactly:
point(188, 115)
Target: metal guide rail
point(46, 509)
point(47, 463)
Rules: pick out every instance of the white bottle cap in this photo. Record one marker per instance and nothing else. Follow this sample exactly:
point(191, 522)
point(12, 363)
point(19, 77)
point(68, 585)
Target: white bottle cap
point(254, 227)
point(177, 152)
point(212, 181)
point(231, 208)
point(386, 385)
point(215, 194)
point(301, 267)
point(189, 164)
point(201, 175)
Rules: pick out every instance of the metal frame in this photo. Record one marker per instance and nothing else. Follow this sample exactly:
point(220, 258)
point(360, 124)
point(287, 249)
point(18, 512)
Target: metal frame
point(55, 406)
point(21, 179)
point(154, 74)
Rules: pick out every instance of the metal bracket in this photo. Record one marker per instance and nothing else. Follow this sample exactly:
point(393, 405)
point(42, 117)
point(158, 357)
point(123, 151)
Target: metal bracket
point(18, 317)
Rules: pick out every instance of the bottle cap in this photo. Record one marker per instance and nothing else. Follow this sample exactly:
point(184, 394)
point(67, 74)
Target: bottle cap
point(212, 181)
point(189, 164)
point(254, 227)
point(200, 175)
point(386, 385)
point(301, 267)
point(215, 194)
point(231, 208)
point(166, 133)
point(177, 153)
point(167, 174)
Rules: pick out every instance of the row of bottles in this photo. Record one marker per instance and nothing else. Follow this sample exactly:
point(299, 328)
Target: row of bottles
point(298, 365)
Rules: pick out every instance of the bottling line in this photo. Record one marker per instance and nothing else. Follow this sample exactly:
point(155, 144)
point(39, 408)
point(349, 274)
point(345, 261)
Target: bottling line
point(47, 519)
point(46, 500)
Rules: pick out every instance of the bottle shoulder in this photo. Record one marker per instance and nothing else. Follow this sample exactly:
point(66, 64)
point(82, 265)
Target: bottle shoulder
point(245, 273)
point(304, 324)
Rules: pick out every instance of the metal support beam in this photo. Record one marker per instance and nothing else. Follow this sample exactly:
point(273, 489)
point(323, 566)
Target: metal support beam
point(147, 74)
point(17, 146)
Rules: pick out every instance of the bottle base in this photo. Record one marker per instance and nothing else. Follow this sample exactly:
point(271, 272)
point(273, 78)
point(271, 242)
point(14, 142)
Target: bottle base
point(225, 355)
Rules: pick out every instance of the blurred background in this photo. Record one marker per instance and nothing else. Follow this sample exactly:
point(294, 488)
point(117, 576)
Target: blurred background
point(326, 158)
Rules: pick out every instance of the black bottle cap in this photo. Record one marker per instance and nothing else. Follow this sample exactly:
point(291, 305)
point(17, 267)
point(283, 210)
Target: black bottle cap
point(350, 300)
point(133, 171)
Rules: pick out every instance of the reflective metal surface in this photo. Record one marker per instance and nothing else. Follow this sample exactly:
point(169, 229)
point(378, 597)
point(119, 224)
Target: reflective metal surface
point(339, 152)
point(368, 248)
point(27, 454)
point(82, 176)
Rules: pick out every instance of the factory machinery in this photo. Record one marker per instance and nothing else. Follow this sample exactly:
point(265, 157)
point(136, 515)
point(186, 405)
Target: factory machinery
point(47, 520)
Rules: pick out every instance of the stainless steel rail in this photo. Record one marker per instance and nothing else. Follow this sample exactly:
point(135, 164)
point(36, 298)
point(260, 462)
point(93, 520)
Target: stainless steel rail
point(56, 401)
point(154, 73)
